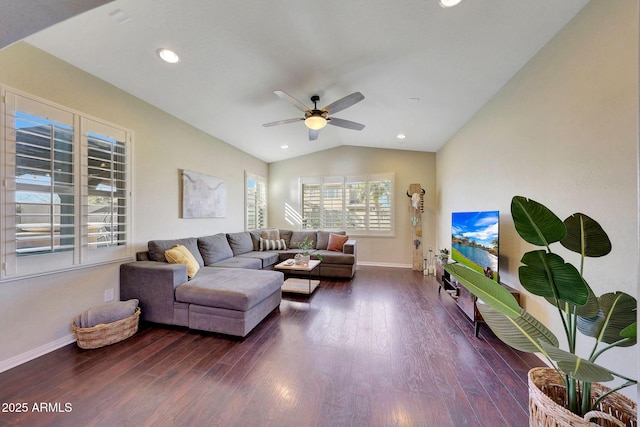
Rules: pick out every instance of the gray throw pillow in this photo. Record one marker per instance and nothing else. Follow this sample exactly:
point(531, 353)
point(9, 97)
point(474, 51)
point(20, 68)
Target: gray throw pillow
point(270, 234)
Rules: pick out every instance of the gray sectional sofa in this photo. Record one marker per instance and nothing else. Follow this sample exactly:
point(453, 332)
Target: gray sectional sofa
point(235, 287)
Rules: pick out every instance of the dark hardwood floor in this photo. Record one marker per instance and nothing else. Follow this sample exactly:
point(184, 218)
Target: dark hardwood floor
point(384, 349)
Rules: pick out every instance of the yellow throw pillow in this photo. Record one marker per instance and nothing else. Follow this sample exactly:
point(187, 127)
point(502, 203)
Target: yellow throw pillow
point(181, 255)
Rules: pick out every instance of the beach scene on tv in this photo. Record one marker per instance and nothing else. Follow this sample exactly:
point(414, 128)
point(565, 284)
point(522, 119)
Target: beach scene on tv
point(474, 241)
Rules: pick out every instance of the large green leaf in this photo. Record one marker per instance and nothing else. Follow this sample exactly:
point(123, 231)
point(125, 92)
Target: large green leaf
point(617, 312)
point(547, 275)
point(575, 366)
point(535, 223)
point(486, 289)
point(585, 236)
point(590, 309)
point(630, 331)
point(523, 333)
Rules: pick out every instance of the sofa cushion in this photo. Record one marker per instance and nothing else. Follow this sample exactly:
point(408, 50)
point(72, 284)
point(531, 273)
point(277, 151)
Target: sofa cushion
point(286, 236)
point(323, 238)
point(270, 234)
point(214, 248)
point(332, 257)
point(158, 247)
point(240, 243)
point(336, 242)
point(229, 288)
point(299, 236)
point(255, 238)
point(267, 258)
point(272, 245)
point(239, 262)
point(181, 255)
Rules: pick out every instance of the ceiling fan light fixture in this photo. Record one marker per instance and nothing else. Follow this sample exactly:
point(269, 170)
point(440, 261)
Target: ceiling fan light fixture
point(449, 3)
point(315, 122)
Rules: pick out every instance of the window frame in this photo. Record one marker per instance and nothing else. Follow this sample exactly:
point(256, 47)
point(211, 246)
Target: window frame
point(79, 254)
point(314, 211)
point(254, 199)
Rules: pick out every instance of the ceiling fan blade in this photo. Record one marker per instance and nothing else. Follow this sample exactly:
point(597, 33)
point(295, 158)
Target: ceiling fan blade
point(348, 124)
point(291, 100)
point(343, 103)
point(282, 122)
point(313, 134)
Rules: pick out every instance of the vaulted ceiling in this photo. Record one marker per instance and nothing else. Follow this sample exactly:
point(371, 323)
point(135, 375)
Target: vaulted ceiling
point(424, 70)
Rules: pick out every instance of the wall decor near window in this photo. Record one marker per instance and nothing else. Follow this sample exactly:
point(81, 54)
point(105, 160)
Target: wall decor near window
point(203, 196)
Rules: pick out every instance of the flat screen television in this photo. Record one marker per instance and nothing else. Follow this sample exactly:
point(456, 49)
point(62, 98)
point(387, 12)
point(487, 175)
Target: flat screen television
point(475, 241)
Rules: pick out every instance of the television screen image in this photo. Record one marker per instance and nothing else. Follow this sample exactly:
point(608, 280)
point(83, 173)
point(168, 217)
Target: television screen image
point(475, 241)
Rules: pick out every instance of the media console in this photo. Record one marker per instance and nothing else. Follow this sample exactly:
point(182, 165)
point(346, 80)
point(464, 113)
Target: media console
point(465, 300)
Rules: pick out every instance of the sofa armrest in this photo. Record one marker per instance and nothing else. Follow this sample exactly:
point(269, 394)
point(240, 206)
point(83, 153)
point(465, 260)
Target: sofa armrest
point(349, 247)
point(153, 284)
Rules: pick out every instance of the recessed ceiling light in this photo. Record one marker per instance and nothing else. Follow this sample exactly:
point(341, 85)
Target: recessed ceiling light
point(449, 3)
point(401, 136)
point(284, 147)
point(168, 55)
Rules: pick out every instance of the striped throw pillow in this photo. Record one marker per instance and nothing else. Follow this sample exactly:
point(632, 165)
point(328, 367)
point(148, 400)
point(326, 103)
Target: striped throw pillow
point(272, 245)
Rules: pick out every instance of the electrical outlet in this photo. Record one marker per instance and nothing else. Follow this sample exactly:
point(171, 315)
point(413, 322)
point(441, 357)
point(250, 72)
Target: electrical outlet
point(108, 295)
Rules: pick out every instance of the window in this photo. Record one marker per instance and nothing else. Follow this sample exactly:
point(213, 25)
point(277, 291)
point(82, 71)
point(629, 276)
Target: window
point(65, 188)
point(106, 186)
point(44, 182)
point(362, 205)
point(256, 202)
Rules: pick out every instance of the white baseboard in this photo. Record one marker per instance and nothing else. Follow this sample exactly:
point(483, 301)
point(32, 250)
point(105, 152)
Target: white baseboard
point(25, 357)
point(384, 264)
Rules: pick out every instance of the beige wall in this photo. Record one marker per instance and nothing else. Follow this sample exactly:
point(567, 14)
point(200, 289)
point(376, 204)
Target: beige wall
point(37, 312)
point(563, 132)
point(408, 166)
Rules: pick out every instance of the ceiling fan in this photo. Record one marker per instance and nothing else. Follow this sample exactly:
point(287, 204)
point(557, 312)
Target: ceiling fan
point(316, 119)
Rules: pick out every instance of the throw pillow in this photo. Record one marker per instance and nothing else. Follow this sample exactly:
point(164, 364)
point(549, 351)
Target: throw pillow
point(270, 234)
point(272, 245)
point(336, 242)
point(181, 255)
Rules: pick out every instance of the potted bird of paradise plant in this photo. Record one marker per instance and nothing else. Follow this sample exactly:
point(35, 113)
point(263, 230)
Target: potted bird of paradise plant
point(610, 318)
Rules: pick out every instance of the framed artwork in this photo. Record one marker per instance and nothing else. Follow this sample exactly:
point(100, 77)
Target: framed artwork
point(203, 196)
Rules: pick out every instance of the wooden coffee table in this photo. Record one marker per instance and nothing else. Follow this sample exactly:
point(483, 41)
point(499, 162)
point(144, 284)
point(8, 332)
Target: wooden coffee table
point(297, 285)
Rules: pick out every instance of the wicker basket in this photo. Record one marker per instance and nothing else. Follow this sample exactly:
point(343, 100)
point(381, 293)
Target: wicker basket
point(106, 334)
point(547, 395)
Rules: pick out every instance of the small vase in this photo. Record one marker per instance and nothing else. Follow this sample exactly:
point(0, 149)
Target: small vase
point(301, 259)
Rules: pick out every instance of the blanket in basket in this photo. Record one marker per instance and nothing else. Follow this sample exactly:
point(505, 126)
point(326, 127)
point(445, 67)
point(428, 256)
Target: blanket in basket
point(106, 313)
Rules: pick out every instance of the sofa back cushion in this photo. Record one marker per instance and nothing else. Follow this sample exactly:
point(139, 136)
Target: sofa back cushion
point(158, 247)
point(214, 248)
point(323, 238)
point(286, 236)
point(255, 238)
point(299, 236)
point(240, 243)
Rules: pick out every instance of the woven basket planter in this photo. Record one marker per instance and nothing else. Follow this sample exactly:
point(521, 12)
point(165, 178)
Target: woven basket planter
point(106, 334)
point(547, 395)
